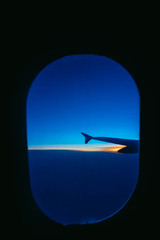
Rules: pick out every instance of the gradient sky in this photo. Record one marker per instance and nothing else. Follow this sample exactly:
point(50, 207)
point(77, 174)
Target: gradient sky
point(88, 93)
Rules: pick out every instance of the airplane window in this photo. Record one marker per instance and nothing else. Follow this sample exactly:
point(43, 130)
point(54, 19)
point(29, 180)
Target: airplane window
point(83, 123)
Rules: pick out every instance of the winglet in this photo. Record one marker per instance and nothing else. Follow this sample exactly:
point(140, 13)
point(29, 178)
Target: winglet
point(87, 137)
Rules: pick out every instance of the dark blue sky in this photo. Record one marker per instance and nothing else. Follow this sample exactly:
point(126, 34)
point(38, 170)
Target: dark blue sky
point(88, 93)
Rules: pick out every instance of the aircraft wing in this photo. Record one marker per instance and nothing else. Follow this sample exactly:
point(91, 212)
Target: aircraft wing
point(132, 146)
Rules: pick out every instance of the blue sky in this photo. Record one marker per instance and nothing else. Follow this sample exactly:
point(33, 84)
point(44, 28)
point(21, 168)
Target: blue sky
point(88, 93)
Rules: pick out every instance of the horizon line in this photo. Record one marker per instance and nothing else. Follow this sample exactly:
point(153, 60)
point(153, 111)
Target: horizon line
point(84, 148)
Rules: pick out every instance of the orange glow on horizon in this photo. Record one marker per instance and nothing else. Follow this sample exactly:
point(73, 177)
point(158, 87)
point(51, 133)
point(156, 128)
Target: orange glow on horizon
point(112, 149)
point(83, 148)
